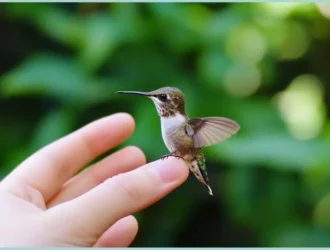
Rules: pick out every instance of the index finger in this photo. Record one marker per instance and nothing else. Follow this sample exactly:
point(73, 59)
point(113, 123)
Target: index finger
point(49, 168)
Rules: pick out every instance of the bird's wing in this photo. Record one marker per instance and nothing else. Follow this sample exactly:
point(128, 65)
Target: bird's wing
point(210, 130)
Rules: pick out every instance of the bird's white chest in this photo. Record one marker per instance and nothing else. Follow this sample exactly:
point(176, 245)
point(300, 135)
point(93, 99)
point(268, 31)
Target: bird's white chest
point(169, 126)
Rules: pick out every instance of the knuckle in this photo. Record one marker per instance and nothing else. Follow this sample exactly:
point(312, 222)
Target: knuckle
point(125, 188)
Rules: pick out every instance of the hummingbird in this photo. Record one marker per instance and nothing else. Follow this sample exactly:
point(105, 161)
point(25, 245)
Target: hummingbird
point(184, 137)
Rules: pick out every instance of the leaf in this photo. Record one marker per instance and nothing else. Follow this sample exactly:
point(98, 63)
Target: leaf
point(57, 77)
point(98, 42)
point(274, 150)
point(52, 127)
point(182, 26)
point(53, 21)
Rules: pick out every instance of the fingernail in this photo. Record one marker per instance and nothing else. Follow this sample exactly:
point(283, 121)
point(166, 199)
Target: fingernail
point(169, 170)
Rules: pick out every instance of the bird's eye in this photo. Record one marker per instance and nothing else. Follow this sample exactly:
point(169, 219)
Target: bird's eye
point(162, 97)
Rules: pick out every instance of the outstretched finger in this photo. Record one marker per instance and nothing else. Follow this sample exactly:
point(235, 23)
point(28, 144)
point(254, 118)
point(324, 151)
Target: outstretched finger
point(120, 196)
point(49, 168)
point(121, 161)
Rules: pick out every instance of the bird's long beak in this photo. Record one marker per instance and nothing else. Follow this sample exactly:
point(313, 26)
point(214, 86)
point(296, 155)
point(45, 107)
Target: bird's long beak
point(133, 93)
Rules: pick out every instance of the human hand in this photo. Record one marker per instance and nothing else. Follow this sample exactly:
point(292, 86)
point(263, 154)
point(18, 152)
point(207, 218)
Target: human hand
point(43, 205)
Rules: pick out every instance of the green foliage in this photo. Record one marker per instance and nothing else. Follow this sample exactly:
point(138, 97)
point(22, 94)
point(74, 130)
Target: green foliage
point(261, 64)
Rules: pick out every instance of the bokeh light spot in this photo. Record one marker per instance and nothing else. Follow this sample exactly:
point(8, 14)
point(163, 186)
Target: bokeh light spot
point(245, 44)
point(242, 80)
point(302, 107)
point(283, 10)
point(321, 211)
point(294, 42)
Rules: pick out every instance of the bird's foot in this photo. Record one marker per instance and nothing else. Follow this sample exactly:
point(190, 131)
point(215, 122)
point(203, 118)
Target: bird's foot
point(171, 154)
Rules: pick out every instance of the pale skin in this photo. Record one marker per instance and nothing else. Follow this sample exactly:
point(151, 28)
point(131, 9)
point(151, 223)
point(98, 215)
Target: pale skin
point(44, 204)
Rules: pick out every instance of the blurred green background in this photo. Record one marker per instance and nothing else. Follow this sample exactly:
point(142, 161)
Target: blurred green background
point(265, 65)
